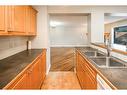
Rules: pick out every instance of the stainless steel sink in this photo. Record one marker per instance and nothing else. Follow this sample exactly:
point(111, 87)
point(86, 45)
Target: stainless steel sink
point(94, 54)
point(109, 62)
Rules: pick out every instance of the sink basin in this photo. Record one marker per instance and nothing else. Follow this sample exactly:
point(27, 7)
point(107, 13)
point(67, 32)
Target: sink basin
point(93, 54)
point(109, 62)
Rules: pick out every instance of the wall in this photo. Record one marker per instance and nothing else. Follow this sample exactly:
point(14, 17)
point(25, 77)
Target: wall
point(42, 38)
point(11, 45)
point(89, 28)
point(97, 27)
point(97, 16)
point(69, 34)
point(108, 27)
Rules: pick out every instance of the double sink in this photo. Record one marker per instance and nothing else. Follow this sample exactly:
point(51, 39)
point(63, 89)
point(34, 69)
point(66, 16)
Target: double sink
point(102, 61)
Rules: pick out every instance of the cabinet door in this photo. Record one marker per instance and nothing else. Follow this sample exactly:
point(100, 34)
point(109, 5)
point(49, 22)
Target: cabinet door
point(16, 19)
point(28, 20)
point(86, 76)
point(2, 19)
point(31, 15)
point(33, 21)
point(88, 81)
point(79, 70)
point(43, 67)
point(35, 75)
point(22, 83)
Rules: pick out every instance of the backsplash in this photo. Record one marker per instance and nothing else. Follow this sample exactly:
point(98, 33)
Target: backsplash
point(11, 45)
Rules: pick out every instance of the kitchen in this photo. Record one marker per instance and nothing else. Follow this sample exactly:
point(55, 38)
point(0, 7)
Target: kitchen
point(26, 27)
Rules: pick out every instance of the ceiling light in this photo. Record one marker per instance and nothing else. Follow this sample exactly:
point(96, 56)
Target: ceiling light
point(55, 23)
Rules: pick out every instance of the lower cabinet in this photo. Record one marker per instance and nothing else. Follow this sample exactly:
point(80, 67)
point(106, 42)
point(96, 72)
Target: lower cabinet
point(23, 83)
point(43, 67)
point(32, 77)
point(35, 75)
point(85, 73)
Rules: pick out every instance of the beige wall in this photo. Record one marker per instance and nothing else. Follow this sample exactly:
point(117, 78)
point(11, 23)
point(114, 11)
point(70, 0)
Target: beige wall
point(42, 38)
point(108, 27)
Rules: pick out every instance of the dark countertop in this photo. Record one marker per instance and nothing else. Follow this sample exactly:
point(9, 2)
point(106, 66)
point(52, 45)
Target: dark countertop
point(117, 76)
point(11, 66)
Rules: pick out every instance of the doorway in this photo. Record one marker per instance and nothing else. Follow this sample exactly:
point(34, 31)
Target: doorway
point(67, 31)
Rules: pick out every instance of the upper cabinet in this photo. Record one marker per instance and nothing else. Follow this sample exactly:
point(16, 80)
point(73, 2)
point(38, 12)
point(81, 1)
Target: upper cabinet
point(31, 21)
point(16, 19)
point(2, 20)
point(21, 20)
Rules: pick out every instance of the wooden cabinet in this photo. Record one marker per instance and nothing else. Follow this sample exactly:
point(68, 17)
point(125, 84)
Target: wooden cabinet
point(43, 67)
point(2, 20)
point(31, 21)
point(18, 20)
point(23, 82)
point(85, 73)
point(32, 77)
point(35, 75)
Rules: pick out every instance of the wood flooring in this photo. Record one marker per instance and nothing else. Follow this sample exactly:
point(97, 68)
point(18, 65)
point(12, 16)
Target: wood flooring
point(62, 59)
point(61, 81)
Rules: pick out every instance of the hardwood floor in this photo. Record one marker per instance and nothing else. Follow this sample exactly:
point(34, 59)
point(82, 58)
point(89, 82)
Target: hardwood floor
point(61, 75)
point(62, 59)
point(61, 81)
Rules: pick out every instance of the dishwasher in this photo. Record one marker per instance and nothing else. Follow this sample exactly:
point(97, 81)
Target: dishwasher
point(101, 84)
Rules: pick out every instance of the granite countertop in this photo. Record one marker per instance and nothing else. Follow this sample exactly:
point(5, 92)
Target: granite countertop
point(11, 66)
point(117, 76)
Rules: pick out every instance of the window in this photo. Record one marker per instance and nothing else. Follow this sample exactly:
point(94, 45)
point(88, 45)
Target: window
point(120, 35)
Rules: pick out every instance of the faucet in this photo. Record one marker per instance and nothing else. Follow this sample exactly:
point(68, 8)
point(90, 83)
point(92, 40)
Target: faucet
point(108, 48)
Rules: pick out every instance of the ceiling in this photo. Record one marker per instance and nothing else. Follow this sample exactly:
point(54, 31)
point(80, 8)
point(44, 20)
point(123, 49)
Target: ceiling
point(113, 17)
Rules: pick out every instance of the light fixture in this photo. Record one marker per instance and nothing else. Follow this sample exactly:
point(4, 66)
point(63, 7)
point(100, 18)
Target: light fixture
point(55, 23)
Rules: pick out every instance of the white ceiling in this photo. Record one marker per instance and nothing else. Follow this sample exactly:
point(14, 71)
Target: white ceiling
point(113, 17)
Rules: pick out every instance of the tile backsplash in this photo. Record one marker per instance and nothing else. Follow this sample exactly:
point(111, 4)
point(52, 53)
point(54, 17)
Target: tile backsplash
point(11, 45)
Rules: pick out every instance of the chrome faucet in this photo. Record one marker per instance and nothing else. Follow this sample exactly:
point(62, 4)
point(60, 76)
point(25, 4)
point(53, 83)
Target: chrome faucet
point(108, 47)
